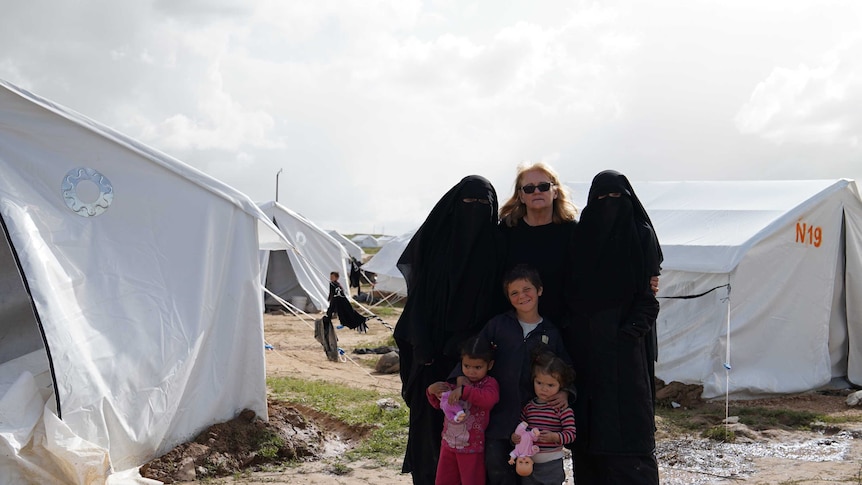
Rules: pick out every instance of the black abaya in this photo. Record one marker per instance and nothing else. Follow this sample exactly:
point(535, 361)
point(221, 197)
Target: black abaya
point(452, 270)
point(612, 338)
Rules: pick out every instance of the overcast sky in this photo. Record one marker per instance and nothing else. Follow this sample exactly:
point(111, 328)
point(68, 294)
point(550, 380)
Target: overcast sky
point(374, 108)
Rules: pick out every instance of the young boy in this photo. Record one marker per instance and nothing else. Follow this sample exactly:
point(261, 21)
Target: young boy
point(516, 336)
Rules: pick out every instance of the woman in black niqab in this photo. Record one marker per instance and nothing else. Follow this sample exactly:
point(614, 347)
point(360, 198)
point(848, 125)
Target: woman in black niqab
point(452, 268)
point(612, 339)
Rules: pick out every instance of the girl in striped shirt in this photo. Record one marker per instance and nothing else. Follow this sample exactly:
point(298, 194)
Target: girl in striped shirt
point(556, 426)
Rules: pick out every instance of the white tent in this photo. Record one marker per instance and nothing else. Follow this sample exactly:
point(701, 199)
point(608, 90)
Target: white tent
point(301, 273)
point(789, 256)
point(365, 241)
point(351, 247)
point(384, 265)
point(130, 310)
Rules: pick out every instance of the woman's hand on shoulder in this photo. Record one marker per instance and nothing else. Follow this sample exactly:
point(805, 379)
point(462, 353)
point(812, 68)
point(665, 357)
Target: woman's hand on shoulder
point(438, 388)
point(559, 400)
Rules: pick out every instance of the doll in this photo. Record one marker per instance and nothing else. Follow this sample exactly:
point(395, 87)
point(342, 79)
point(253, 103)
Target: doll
point(454, 412)
point(520, 456)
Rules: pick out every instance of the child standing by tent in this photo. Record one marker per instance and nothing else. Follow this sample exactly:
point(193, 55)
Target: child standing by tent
point(556, 426)
point(462, 452)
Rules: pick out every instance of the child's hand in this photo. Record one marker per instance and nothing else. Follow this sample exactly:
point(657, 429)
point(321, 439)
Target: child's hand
point(516, 438)
point(462, 381)
point(546, 436)
point(438, 388)
point(455, 395)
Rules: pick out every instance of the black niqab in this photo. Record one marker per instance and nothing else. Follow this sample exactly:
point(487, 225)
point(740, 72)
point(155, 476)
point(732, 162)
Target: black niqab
point(618, 248)
point(452, 270)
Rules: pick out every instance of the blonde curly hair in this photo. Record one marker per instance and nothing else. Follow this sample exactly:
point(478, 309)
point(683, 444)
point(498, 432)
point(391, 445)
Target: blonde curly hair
point(514, 210)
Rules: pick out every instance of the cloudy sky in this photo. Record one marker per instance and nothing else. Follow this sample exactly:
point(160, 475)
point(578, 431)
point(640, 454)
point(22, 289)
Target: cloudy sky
point(374, 108)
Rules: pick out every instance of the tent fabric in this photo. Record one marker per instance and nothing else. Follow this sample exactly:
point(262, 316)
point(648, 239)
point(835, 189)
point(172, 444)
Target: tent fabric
point(143, 306)
point(384, 265)
point(351, 247)
point(787, 254)
point(303, 270)
point(365, 241)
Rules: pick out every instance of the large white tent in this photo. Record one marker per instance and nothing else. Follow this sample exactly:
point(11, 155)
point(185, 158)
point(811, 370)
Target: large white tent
point(783, 259)
point(302, 273)
point(351, 247)
point(384, 265)
point(130, 310)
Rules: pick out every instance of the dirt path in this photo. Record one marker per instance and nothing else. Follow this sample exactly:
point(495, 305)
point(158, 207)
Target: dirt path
point(832, 455)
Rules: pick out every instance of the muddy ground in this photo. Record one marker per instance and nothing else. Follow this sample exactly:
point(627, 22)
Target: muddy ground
point(828, 453)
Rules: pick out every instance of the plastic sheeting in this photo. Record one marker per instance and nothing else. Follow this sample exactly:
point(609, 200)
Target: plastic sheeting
point(385, 265)
point(147, 295)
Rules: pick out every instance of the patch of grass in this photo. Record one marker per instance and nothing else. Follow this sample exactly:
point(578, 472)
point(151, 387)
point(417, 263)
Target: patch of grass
point(720, 433)
point(830, 419)
point(703, 418)
point(269, 445)
point(356, 407)
point(763, 418)
point(386, 311)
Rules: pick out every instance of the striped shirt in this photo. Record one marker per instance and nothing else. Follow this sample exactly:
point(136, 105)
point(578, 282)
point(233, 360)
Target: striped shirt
point(546, 418)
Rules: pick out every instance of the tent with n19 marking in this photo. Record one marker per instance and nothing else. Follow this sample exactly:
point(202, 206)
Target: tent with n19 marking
point(761, 286)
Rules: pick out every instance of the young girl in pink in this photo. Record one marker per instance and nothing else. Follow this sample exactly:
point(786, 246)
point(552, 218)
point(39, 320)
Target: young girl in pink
point(462, 451)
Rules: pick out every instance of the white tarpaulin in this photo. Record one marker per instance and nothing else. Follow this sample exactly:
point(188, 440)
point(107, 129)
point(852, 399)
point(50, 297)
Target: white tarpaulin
point(384, 265)
point(130, 316)
point(779, 250)
point(302, 271)
point(351, 247)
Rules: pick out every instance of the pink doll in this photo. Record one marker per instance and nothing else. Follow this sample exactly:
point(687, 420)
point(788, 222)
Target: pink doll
point(453, 412)
point(520, 456)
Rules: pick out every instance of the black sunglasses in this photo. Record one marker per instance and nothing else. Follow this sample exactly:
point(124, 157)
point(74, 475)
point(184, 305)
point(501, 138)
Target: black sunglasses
point(543, 187)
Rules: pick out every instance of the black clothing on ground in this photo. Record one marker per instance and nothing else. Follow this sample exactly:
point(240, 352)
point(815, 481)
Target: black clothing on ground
point(546, 248)
point(452, 270)
point(612, 336)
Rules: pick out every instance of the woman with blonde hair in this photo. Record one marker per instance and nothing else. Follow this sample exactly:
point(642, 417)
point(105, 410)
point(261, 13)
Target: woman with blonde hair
point(538, 222)
point(557, 205)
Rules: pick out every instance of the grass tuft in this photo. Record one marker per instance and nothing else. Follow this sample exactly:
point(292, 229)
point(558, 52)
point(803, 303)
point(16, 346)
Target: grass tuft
point(355, 407)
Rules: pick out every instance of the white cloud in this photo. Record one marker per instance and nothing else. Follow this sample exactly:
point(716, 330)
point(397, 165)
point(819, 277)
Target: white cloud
point(375, 108)
point(810, 104)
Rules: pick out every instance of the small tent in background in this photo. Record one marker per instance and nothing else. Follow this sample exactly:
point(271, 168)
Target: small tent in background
point(351, 247)
point(130, 315)
point(384, 264)
point(301, 275)
point(775, 267)
point(365, 241)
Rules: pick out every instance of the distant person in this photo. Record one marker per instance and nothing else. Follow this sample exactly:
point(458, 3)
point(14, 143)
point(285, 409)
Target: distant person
point(612, 338)
point(340, 306)
point(355, 275)
point(334, 285)
point(556, 425)
point(518, 335)
point(452, 269)
point(462, 452)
